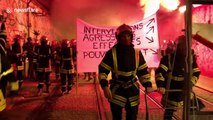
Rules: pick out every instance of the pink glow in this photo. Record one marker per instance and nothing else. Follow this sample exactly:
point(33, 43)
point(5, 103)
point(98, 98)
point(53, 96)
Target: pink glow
point(97, 12)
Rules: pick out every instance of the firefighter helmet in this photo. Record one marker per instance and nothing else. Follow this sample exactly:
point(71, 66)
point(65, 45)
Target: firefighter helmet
point(64, 43)
point(123, 29)
point(43, 40)
point(17, 38)
point(29, 39)
point(170, 47)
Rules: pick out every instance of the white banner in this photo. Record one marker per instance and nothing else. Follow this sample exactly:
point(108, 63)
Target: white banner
point(93, 42)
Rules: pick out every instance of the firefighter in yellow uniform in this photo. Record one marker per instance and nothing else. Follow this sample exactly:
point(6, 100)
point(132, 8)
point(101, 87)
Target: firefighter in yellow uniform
point(6, 70)
point(127, 65)
point(170, 73)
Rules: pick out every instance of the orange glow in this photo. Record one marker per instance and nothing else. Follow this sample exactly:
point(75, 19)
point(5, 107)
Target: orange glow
point(150, 6)
point(143, 2)
point(170, 4)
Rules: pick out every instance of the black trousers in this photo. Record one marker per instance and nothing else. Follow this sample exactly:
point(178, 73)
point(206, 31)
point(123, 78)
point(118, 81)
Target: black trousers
point(30, 69)
point(43, 78)
point(4, 81)
point(3, 86)
point(168, 113)
point(66, 79)
point(20, 75)
point(131, 112)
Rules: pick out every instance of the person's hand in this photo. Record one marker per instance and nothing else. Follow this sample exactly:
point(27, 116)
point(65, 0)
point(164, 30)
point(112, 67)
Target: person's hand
point(161, 90)
point(107, 93)
point(149, 90)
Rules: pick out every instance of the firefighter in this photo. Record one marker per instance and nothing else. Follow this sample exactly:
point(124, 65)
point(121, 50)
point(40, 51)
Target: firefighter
point(170, 77)
point(17, 60)
point(6, 70)
point(35, 57)
point(127, 65)
point(56, 59)
point(73, 45)
point(67, 67)
point(44, 53)
point(28, 49)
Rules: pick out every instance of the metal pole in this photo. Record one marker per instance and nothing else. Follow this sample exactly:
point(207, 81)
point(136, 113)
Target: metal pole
point(147, 107)
point(188, 60)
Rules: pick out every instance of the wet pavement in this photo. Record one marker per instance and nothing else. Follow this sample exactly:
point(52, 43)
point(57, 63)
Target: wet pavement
point(79, 104)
